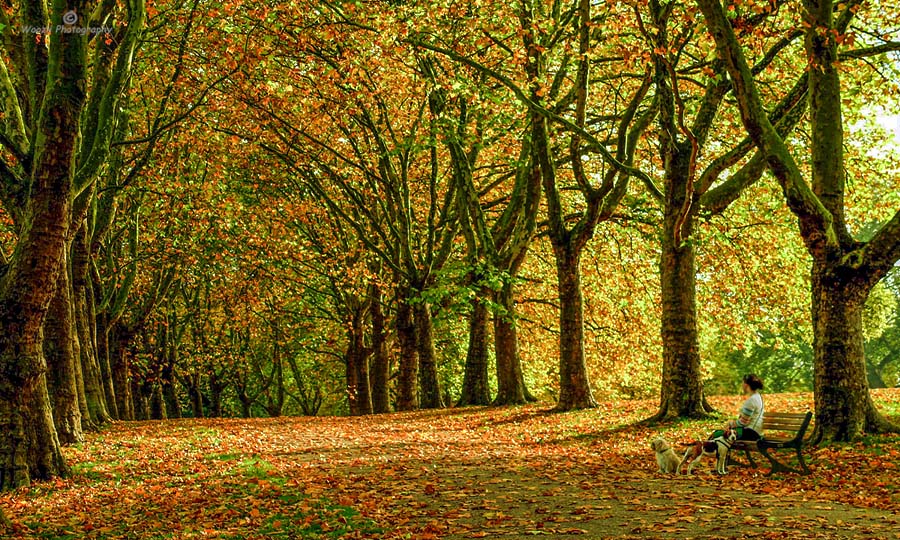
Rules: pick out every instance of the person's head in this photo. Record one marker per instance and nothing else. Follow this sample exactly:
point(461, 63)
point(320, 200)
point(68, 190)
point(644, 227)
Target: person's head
point(752, 383)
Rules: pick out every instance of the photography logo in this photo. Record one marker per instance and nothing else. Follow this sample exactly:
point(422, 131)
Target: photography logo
point(68, 26)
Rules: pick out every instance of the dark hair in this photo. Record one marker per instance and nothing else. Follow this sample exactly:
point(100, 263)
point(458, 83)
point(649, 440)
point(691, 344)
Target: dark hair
point(753, 381)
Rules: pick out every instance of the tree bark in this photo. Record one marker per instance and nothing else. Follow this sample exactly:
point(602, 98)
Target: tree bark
point(158, 404)
point(681, 391)
point(574, 383)
point(429, 383)
point(29, 446)
point(511, 389)
point(844, 407)
point(381, 363)
point(359, 393)
point(196, 395)
point(121, 372)
point(106, 372)
point(475, 389)
point(407, 387)
point(170, 396)
point(85, 327)
point(58, 341)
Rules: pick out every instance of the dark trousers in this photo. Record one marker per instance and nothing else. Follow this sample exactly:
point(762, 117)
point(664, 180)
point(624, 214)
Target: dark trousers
point(743, 434)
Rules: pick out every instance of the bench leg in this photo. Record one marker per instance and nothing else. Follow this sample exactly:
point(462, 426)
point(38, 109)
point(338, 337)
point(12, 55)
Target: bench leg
point(777, 466)
point(802, 462)
point(750, 458)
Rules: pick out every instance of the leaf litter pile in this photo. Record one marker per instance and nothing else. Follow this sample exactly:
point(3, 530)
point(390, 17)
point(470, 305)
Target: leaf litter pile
point(456, 473)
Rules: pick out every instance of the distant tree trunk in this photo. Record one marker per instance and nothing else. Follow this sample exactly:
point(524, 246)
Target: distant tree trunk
point(85, 327)
point(511, 389)
point(170, 396)
point(351, 373)
point(140, 393)
point(106, 372)
point(157, 404)
point(429, 384)
point(475, 390)
point(196, 395)
point(681, 391)
point(246, 404)
point(364, 391)
point(359, 394)
point(217, 387)
point(275, 404)
point(407, 388)
point(59, 336)
point(121, 371)
point(381, 363)
point(574, 384)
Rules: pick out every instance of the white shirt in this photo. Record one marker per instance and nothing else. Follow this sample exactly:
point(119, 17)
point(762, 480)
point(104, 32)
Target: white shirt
point(751, 414)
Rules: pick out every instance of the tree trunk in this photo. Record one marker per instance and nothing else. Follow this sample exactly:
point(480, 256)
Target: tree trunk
point(140, 393)
point(106, 373)
point(359, 392)
point(216, 388)
point(121, 372)
point(29, 446)
point(475, 389)
point(681, 391)
point(196, 396)
point(381, 363)
point(157, 404)
point(511, 389)
point(85, 327)
point(574, 383)
point(60, 355)
point(429, 384)
point(844, 408)
point(351, 357)
point(170, 396)
point(407, 391)
point(363, 389)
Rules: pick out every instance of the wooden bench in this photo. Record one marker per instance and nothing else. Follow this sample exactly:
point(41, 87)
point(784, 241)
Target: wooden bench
point(782, 431)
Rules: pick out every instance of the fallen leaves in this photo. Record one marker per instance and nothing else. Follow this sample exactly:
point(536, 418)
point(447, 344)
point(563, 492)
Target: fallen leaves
point(444, 474)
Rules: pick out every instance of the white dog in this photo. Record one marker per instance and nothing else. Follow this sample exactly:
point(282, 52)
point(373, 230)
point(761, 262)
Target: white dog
point(665, 457)
point(717, 447)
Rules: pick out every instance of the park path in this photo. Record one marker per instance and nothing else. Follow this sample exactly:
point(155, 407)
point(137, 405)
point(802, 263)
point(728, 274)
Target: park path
point(464, 474)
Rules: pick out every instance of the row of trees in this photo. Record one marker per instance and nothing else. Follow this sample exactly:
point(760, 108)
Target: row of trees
point(278, 208)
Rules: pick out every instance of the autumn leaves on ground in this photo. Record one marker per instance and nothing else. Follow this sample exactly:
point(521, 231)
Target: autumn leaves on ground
point(458, 473)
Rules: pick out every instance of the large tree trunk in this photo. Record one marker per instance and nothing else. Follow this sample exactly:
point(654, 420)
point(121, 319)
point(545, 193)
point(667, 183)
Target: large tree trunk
point(407, 387)
point(429, 383)
point(844, 408)
point(381, 362)
point(511, 389)
point(574, 383)
point(475, 389)
point(29, 446)
point(62, 383)
point(681, 391)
